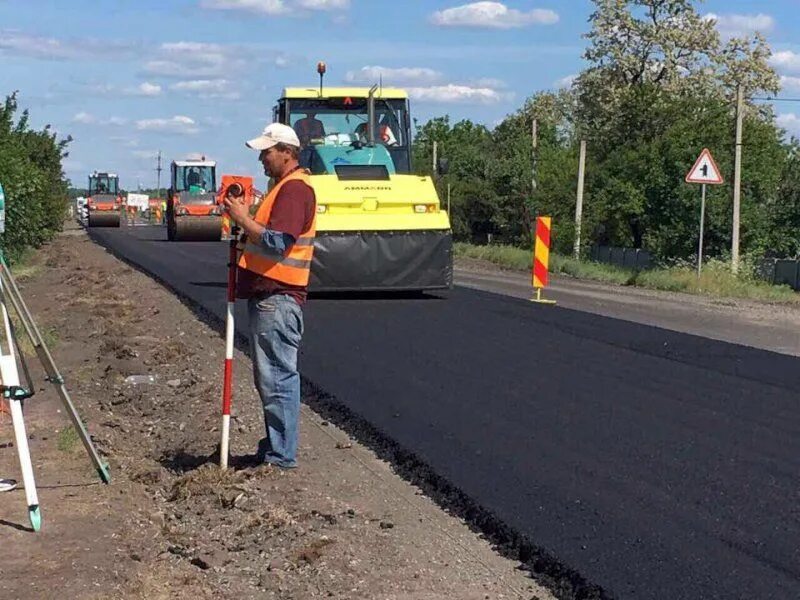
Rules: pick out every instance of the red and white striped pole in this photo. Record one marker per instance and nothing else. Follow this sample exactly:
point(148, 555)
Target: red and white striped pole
point(227, 380)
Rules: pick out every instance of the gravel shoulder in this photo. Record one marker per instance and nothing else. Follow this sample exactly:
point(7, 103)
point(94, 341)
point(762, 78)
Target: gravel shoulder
point(170, 525)
point(774, 327)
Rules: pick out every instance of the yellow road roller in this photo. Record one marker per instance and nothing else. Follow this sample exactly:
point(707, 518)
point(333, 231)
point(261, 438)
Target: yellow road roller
point(104, 201)
point(379, 227)
point(193, 213)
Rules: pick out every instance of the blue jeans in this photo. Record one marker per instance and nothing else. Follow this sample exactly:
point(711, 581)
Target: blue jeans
point(276, 327)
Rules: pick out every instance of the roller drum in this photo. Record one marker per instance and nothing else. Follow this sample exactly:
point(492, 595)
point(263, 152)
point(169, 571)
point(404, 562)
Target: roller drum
point(197, 229)
point(104, 219)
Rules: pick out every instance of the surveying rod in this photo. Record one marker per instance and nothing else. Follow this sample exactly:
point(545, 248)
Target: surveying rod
point(235, 189)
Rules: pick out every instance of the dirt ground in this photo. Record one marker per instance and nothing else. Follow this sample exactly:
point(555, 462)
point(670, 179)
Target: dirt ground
point(171, 525)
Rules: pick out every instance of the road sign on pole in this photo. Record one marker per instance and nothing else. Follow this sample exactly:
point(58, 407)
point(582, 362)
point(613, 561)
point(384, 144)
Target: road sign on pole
point(706, 172)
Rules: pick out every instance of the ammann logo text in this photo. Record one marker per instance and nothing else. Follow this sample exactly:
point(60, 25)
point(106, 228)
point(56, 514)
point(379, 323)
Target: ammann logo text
point(365, 188)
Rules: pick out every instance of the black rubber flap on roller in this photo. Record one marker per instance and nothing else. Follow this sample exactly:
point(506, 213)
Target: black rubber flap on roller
point(382, 260)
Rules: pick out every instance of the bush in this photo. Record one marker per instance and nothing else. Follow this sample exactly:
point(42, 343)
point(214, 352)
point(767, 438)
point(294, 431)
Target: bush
point(33, 179)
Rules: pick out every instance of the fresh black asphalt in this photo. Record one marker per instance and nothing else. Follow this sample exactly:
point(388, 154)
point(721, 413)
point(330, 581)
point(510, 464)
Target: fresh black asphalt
point(656, 464)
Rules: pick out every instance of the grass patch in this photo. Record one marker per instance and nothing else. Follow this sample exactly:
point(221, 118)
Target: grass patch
point(716, 279)
point(517, 259)
point(67, 439)
point(49, 335)
point(26, 265)
point(21, 273)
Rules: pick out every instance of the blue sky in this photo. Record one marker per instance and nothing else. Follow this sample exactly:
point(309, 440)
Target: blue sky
point(127, 79)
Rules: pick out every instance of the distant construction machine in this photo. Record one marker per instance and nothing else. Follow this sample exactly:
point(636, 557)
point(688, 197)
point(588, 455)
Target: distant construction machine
point(104, 201)
point(193, 213)
point(379, 227)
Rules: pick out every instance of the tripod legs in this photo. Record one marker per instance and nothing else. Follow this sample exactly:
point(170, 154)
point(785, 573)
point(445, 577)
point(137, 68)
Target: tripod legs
point(10, 380)
point(13, 294)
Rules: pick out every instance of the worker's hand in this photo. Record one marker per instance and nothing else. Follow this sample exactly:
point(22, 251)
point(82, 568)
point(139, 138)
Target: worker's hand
point(237, 209)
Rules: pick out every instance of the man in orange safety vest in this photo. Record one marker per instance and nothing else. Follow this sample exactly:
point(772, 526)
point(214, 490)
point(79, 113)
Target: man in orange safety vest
point(273, 274)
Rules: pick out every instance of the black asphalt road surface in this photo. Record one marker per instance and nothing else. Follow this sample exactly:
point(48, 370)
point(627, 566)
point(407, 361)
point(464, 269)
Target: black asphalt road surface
point(656, 464)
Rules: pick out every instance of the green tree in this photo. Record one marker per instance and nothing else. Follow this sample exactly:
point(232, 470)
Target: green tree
point(659, 86)
point(466, 145)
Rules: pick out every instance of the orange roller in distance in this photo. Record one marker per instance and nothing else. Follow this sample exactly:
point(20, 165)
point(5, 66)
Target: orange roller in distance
point(541, 259)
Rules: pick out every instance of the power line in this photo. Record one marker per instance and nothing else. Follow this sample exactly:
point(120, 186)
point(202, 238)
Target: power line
point(767, 99)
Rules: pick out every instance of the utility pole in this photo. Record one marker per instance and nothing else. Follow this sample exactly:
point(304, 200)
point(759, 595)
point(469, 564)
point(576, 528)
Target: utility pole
point(435, 149)
point(534, 155)
point(530, 215)
point(158, 170)
point(579, 203)
point(737, 178)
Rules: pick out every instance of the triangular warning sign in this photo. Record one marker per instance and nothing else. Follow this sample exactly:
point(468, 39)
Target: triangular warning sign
point(705, 170)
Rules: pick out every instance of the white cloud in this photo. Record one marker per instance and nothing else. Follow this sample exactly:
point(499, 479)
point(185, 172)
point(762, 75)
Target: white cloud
point(195, 60)
point(177, 124)
point(565, 82)
point(148, 89)
point(790, 122)
point(266, 7)
point(85, 118)
point(786, 61)
point(325, 5)
point(18, 43)
point(207, 88)
point(276, 7)
point(457, 94)
point(741, 25)
point(37, 47)
point(492, 15)
point(145, 89)
point(394, 76)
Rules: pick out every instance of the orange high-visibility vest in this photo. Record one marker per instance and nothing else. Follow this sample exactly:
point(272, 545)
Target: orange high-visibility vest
point(295, 267)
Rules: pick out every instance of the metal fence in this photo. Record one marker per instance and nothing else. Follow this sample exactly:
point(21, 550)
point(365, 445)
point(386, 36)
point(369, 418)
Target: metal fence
point(629, 258)
point(781, 271)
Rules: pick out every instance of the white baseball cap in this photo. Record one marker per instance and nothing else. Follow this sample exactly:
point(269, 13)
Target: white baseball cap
point(274, 133)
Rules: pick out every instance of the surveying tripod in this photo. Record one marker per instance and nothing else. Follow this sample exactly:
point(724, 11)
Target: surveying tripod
point(15, 393)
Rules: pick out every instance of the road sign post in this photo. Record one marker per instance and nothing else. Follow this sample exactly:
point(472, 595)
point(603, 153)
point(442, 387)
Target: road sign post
point(702, 224)
point(704, 172)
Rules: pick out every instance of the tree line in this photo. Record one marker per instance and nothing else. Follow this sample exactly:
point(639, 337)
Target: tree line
point(659, 86)
point(33, 179)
